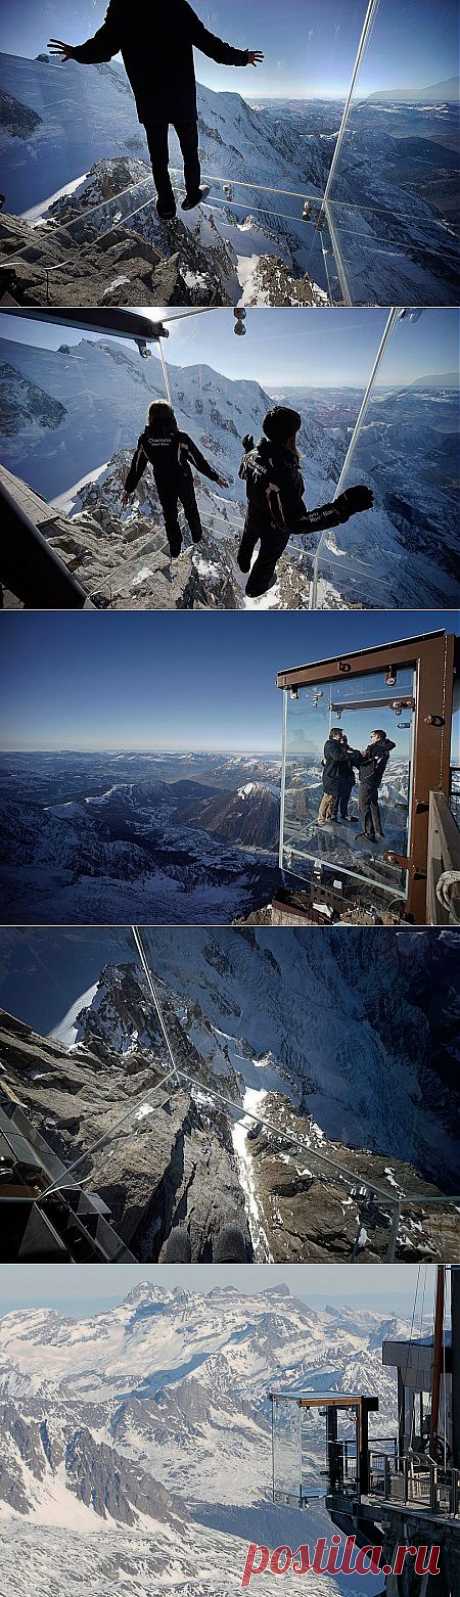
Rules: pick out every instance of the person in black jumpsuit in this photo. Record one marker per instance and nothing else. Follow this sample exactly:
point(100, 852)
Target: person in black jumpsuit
point(171, 453)
point(274, 491)
point(156, 42)
point(373, 763)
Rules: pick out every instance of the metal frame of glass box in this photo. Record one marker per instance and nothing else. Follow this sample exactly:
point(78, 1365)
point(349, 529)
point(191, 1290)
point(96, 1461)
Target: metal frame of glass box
point(433, 658)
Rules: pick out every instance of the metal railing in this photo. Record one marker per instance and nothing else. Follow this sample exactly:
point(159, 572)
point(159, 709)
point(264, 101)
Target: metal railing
point(443, 870)
point(414, 1481)
point(454, 795)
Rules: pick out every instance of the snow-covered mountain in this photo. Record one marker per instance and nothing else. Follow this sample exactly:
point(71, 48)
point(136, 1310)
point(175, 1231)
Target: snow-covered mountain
point(69, 422)
point(395, 233)
point(137, 1442)
point(97, 865)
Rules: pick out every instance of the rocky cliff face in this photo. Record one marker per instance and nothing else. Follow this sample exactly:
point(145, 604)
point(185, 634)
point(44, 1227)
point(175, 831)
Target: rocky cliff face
point(154, 1161)
point(43, 1460)
point(336, 1051)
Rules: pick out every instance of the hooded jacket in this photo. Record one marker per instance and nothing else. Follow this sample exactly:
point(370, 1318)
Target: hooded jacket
point(156, 40)
point(275, 490)
point(171, 458)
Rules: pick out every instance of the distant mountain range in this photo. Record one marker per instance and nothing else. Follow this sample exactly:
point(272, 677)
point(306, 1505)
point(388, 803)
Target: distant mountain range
point(137, 1443)
point(448, 89)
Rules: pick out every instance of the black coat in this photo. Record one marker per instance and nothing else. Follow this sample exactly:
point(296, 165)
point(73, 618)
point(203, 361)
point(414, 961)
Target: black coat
point(338, 767)
point(171, 459)
point(275, 490)
point(373, 763)
point(156, 39)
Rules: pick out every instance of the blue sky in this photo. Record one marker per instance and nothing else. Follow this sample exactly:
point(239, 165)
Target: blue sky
point(170, 680)
point(77, 1290)
point(309, 45)
point(288, 348)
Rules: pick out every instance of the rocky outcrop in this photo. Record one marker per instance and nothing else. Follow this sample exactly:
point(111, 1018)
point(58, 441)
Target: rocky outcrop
point(310, 1212)
point(157, 1166)
point(114, 1486)
point(37, 1451)
point(20, 399)
point(273, 283)
point(22, 1443)
point(17, 121)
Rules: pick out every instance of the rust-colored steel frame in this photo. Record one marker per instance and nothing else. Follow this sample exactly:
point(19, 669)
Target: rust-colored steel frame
point(433, 657)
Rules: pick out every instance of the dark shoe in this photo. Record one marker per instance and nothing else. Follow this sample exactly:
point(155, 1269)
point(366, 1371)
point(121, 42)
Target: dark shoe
point(177, 1248)
point(197, 536)
point(175, 546)
point(255, 590)
point(192, 200)
point(230, 1247)
point(351, 820)
point(166, 209)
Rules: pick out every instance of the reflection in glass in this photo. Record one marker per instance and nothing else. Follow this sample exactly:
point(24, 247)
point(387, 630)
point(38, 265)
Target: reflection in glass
point(357, 710)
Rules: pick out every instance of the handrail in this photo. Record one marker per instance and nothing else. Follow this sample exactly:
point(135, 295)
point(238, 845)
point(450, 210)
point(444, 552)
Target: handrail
point(443, 880)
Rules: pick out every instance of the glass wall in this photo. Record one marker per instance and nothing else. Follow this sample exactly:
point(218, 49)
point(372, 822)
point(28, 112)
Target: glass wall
point(356, 708)
point(392, 193)
point(327, 113)
point(378, 404)
point(405, 448)
point(287, 1451)
point(76, 162)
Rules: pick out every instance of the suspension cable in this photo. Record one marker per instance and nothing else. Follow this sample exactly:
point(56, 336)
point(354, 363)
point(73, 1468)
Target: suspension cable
point(107, 1136)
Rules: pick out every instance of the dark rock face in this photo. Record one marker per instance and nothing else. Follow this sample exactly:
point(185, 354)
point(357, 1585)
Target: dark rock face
point(17, 120)
point(311, 1214)
point(168, 1165)
point(19, 399)
point(101, 1478)
point(21, 1441)
point(112, 1485)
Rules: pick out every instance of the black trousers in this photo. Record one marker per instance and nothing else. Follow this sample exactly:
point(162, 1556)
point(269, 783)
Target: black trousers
point(157, 140)
point(273, 542)
point(183, 493)
point(370, 812)
point(344, 799)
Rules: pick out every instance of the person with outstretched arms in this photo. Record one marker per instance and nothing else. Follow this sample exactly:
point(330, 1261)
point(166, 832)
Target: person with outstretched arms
point(171, 453)
point(276, 510)
point(156, 39)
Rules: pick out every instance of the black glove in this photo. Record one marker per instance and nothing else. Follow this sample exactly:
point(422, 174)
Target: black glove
point(354, 499)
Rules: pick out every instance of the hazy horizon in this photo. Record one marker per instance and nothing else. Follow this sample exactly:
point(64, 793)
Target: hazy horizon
point(337, 1285)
